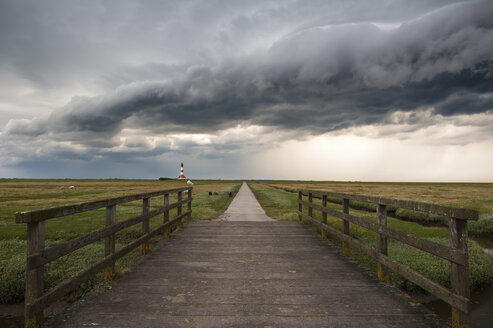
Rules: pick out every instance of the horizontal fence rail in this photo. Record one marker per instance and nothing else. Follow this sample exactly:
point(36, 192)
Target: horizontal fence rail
point(37, 256)
point(457, 253)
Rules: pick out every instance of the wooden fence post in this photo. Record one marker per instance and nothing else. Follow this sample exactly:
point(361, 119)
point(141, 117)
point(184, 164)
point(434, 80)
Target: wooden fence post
point(109, 245)
point(383, 274)
point(300, 206)
point(324, 216)
point(310, 209)
point(166, 216)
point(34, 277)
point(310, 200)
point(146, 205)
point(180, 198)
point(345, 227)
point(189, 205)
point(459, 274)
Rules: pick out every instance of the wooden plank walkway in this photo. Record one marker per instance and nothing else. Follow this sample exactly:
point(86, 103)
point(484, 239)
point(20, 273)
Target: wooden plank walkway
point(246, 274)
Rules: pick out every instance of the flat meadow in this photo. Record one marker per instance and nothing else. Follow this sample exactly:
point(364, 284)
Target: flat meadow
point(18, 195)
point(24, 195)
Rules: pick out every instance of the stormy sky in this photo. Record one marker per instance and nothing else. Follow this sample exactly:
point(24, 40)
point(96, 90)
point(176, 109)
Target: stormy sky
point(325, 90)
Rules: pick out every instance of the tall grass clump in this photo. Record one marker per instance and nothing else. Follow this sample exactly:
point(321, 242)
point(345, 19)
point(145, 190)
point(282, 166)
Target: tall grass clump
point(12, 270)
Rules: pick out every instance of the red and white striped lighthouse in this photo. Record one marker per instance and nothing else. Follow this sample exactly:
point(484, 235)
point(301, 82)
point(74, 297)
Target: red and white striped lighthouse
point(181, 173)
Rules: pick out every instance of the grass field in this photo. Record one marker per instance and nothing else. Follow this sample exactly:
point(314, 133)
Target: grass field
point(25, 195)
point(282, 205)
point(478, 196)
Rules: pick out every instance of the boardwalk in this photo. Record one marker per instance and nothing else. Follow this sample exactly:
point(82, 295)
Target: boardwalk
point(246, 274)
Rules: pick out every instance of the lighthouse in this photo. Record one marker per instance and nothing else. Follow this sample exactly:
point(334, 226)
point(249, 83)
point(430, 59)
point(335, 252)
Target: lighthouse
point(182, 176)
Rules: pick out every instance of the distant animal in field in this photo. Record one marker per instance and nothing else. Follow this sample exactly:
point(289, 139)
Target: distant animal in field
point(71, 187)
point(190, 183)
point(210, 193)
point(62, 188)
point(215, 193)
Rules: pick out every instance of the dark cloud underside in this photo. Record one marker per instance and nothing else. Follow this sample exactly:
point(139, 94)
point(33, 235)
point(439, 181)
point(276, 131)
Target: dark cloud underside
point(326, 73)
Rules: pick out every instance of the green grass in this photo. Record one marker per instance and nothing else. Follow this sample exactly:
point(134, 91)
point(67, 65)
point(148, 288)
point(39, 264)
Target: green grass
point(22, 195)
point(474, 196)
point(281, 205)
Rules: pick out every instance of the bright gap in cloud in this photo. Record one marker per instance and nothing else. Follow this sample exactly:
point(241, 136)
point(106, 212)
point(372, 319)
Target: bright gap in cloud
point(359, 158)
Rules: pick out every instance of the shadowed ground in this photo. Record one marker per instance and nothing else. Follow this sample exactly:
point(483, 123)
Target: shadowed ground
point(246, 274)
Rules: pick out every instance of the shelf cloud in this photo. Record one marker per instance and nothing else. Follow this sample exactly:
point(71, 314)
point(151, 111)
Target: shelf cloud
point(320, 75)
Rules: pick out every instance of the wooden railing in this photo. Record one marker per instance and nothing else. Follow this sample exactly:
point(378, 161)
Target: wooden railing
point(37, 256)
point(457, 254)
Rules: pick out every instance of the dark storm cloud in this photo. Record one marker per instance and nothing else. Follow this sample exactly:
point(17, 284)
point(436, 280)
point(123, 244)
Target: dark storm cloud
point(315, 79)
point(465, 103)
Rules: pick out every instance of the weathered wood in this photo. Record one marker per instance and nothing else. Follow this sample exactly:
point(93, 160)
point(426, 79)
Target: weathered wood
point(300, 206)
point(227, 274)
point(445, 252)
point(189, 206)
point(180, 196)
point(109, 245)
point(324, 216)
point(449, 211)
point(54, 212)
point(166, 215)
point(146, 205)
point(37, 256)
point(34, 277)
point(459, 274)
point(383, 275)
point(55, 252)
point(68, 285)
point(346, 249)
point(310, 201)
point(438, 290)
point(329, 211)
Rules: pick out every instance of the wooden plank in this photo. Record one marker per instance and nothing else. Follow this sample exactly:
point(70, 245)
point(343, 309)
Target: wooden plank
point(438, 290)
point(55, 252)
point(180, 196)
point(459, 274)
point(382, 241)
point(300, 206)
point(189, 206)
point(166, 215)
point(447, 253)
point(109, 244)
point(324, 216)
point(290, 285)
point(449, 211)
point(54, 212)
point(70, 284)
point(34, 277)
point(323, 209)
point(146, 205)
point(345, 226)
point(310, 208)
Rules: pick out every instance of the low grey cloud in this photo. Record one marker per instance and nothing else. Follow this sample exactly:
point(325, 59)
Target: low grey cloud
point(323, 74)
